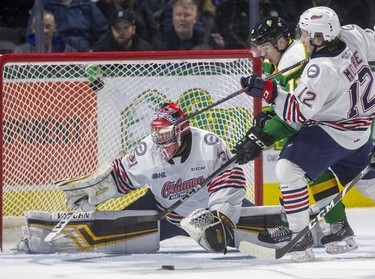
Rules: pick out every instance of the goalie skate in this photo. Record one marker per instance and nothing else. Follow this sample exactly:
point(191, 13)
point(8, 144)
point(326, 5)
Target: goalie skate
point(340, 239)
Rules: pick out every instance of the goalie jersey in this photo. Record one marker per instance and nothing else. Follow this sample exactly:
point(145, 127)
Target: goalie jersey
point(170, 180)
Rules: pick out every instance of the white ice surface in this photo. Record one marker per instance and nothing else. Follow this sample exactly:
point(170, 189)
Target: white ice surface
point(191, 261)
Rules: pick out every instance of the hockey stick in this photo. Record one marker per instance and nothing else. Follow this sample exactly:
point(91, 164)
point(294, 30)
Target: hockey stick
point(131, 220)
point(260, 251)
point(239, 92)
point(304, 61)
point(65, 220)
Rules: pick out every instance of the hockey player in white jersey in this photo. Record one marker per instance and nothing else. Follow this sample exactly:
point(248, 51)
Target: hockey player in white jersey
point(335, 102)
point(271, 38)
point(171, 161)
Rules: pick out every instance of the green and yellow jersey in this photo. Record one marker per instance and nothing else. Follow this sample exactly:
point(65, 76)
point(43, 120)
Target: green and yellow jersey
point(294, 53)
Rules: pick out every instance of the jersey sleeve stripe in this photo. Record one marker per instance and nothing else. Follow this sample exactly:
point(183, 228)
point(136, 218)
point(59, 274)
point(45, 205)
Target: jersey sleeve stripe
point(234, 178)
point(292, 110)
point(358, 124)
point(124, 185)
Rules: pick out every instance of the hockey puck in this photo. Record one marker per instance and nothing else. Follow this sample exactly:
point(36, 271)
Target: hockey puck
point(167, 267)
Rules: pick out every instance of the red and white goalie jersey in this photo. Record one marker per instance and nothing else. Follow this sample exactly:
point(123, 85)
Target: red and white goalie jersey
point(170, 180)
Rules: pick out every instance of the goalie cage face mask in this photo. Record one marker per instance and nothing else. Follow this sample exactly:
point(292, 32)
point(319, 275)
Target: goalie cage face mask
point(164, 133)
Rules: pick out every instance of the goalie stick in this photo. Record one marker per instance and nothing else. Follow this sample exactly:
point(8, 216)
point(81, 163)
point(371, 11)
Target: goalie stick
point(131, 220)
point(260, 251)
point(239, 92)
point(64, 221)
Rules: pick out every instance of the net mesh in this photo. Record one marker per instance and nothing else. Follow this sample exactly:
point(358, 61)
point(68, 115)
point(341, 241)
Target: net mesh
point(60, 122)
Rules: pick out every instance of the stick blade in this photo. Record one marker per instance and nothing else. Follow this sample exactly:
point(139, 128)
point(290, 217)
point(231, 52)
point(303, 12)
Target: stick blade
point(51, 236)
point(64, 221)
point(257, 251)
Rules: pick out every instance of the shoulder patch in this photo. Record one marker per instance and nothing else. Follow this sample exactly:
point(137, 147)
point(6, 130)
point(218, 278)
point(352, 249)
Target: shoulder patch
point(132, 160)
point(211, 139)
point(313, 71)
point(141, 148)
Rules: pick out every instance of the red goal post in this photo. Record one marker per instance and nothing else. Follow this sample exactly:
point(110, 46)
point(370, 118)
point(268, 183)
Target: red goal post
point(54, 125)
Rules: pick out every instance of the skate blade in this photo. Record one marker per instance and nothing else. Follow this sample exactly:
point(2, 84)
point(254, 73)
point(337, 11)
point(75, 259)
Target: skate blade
point(303, 256)
point(340, 247)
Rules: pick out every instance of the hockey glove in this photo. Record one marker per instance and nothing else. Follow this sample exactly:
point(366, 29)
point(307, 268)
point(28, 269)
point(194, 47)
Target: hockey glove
point(250, 146)
point(260, 88)
point(211, 229)
point(262, 118)
point(97, 187)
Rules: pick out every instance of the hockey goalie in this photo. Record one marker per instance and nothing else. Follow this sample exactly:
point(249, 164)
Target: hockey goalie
point(171, 161)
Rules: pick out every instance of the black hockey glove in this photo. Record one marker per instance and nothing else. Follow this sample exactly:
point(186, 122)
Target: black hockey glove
point(260, 88)
point(262, 118)
point(250, 146)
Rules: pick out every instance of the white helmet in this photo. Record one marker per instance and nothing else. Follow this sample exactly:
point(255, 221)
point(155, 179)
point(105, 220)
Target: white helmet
point(320, 20)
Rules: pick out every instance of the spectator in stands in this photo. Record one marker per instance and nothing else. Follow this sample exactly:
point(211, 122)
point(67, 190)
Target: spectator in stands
point(233, 22)
point(146, 23)
point(206, 20)
point(122, 34)
point(52, 43)
point(147, 13)
point(183, 35)
point(79, 23)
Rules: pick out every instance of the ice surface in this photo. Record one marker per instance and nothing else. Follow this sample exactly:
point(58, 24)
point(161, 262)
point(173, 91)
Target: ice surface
point(191, 261)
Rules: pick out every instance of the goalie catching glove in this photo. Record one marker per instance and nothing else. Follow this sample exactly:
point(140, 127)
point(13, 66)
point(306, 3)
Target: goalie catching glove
point(260, 88)
point(97, 187)
point(250, 146)
point(211, 229)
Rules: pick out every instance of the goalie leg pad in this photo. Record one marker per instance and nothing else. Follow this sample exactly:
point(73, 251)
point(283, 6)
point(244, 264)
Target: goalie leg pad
point(211, 229)
point(90, 232)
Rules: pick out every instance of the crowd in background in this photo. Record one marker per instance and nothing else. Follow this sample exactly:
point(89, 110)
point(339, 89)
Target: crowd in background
point(136, 25)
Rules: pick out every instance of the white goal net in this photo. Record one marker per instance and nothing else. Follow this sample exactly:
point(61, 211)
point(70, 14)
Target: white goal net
point(55, 125)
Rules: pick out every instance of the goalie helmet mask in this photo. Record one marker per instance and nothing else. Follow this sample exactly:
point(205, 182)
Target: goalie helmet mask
point(320, 22)
point(269, 30)
point(167, 136)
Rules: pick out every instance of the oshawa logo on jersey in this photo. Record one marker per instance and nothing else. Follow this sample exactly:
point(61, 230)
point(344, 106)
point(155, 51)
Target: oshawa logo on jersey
point(176, 189)
point(313, 71)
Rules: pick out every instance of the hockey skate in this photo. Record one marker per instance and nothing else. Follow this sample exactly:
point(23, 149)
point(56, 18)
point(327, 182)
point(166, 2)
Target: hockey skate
point(340, 239)
point(302, 250)
point(275, 235)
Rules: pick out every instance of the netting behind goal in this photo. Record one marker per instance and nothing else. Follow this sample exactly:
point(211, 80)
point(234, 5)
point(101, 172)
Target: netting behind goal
point(55, 126)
